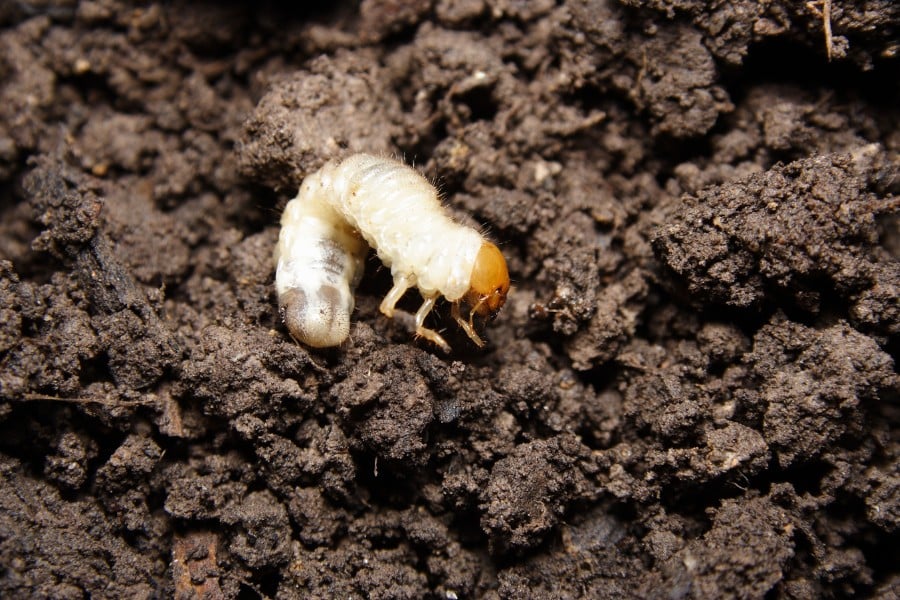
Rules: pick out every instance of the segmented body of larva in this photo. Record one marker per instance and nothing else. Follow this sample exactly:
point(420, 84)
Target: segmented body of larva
point(319, 260)
point(398, 212)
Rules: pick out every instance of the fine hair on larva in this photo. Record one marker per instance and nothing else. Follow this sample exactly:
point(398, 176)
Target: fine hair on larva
point(381, 202)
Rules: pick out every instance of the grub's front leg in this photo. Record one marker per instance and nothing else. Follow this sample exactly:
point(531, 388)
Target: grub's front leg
point(401, 285)
point(429, 334)
point(466, 325)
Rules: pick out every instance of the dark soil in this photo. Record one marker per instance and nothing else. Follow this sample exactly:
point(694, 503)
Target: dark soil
point(691, 392)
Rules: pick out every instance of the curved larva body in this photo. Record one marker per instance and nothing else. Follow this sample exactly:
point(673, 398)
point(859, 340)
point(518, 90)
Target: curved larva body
point(399, 214)
point(319, 261)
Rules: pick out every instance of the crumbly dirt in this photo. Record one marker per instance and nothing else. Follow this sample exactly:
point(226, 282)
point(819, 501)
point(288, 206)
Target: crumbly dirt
point(691, 393)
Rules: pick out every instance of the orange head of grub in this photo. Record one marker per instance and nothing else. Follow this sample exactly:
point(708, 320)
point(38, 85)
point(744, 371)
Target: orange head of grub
point(489, 283)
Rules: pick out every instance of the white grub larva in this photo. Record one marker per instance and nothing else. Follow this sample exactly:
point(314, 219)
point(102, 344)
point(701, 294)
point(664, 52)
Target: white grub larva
point(398, 212)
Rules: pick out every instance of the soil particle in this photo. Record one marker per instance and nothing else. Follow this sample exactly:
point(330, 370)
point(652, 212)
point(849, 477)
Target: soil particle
point(594, 542)
point(203, 489)
point(529, 490)
point(814, 387)
point(261, 531)
point(748, 240)
point(613, 324)
point(63, 548)
point(730, 28)
point(380, 18)
point(63, 201)
point(285, 140)
point(387, 409)
point(127, 324)
point(68, 466)
point(354, 571)
point(677, 87)
point(49, 337)
point(691, 391)
point(743, 554)
point(665, 69)
point(458, 12)
point(122, 482)
point(235, 373)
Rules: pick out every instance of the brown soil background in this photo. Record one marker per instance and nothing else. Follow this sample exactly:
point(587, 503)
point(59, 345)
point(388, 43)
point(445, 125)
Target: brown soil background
point(691, 392)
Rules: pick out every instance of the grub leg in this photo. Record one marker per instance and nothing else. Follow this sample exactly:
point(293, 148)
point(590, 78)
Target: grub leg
point(466, 325)
point(401, 285)
point(429, 334)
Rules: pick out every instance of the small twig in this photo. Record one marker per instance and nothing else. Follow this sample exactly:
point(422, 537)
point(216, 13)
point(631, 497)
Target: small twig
point(29, 397)
point(826, 25)
point(822, 9)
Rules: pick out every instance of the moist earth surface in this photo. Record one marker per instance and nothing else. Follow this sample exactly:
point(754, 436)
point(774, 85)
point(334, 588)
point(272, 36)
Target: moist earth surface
point(691, 391)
